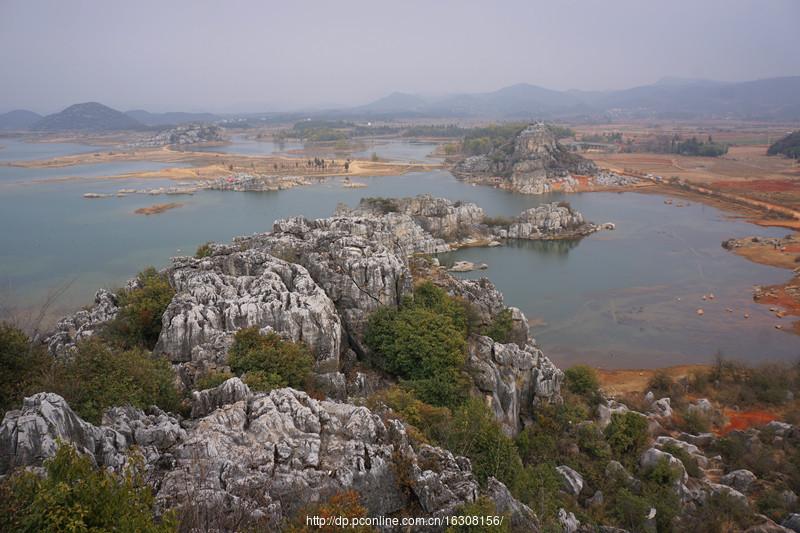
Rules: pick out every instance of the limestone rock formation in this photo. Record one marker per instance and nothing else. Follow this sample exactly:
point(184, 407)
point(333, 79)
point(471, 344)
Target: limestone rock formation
point(440, 217)
point(82, 324)
point(256, 459)
point(31, 435)
point(512, 379)
point(218, 295)
point(547, 221)
point(535, 163)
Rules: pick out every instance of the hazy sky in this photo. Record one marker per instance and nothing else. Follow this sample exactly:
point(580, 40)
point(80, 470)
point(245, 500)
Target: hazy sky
point(262, 55)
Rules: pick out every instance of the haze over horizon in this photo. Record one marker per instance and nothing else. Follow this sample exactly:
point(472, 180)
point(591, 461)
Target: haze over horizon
point(265, 56)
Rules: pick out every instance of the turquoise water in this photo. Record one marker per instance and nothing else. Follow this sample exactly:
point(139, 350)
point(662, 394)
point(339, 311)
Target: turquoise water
point(610, 299)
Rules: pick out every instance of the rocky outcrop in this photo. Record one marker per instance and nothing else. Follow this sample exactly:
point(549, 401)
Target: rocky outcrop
point(220, 294)
point(512, 379)
point(534, 162)
point(442, 218)
point(740, 480)
point(259, 458)
point(572, 481)
point(544, 222)
point(30, 435)
point(82, 324)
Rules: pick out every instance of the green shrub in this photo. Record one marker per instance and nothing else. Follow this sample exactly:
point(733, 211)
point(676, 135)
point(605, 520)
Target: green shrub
point(430, 422)
point(689, 462)
point(138, 322)
point(22, 366)
point(212, 379)
point(400, 338)
point(447, 388)
point(719, 513)
point(592, 442)
point(497, 221)
point(501, 326)
point(74, 496)
point(204, 250)
point(695, 421)
point(268, 361)
point(483, 507)
point(436, 299)
point(423, 342)
point(475, 434)
point(98, 376)
point(582, 380)
point(538, 485)
point(630, 510)
point(661, 383)
point(380, 204)
point(627, 436)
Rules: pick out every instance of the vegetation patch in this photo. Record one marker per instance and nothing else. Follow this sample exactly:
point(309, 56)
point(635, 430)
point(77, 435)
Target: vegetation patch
point(266, 361)
point(138, 322)
point(73, 495)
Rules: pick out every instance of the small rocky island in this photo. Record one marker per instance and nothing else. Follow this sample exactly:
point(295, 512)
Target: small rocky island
point(372, 419)
point(534, 162)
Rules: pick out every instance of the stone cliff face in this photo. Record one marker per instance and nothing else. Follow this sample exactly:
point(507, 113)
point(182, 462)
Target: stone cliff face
point(513, 379)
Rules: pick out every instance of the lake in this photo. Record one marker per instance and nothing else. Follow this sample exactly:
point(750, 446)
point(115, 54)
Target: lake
point(19, 149)
point(616, 298)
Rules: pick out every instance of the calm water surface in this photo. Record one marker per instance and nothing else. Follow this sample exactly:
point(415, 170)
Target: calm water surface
point(18, 149)
point(617, 298)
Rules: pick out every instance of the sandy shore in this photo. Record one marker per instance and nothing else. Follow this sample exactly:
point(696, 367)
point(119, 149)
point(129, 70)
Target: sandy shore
point(208, 165)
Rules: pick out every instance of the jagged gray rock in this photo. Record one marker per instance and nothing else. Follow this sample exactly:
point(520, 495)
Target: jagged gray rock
point(740, 480)
point(572, 481)
point(536, 164)
point(651, 457)
point(30, 435)
point(82, 324)
point(450, 221)
point(257, 458)
point(545, 222)
point(206, 401)
point(218, 295)
point(522, 517)
point(512, 379)
point(792, 522)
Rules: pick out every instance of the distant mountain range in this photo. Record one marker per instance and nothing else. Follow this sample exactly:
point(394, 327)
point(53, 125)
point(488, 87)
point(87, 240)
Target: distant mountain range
point(89, 116)
point(768, 99)
point(21, 119)
point(96, 117)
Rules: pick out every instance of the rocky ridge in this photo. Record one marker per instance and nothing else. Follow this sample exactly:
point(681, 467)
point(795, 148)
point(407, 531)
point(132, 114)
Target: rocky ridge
point(259, 456)
point(315, 281)
point(535, 163)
